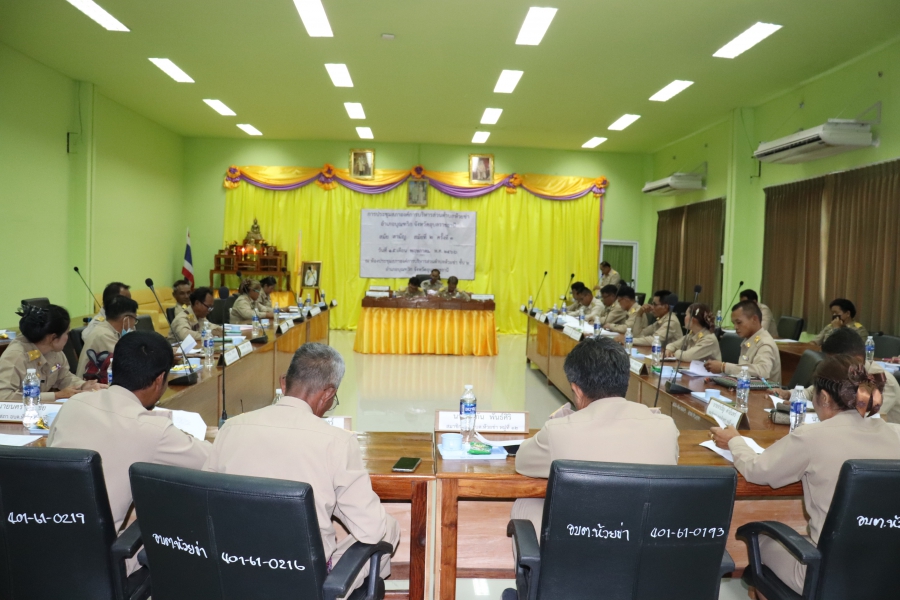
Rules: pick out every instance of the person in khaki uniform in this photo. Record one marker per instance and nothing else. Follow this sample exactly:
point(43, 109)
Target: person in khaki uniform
point(121, 318)
point(119, 423)
point(247, 304)
point(45, 332)
point(586, 304)
point(609, 312)
point(843, 314)
point(666, 326)
point(181, 292)
point(577, 288)
point(609, 276)
point(759, 352)
point(290, 440)
point(452, 292)
point(634, 316)
point(412, 290)
point(264, 302)
point(116, 288)
point(768, 319)
point(190, 321)
point(700, 342)
point(605, 426)
point(434, 284)
point(813, 454)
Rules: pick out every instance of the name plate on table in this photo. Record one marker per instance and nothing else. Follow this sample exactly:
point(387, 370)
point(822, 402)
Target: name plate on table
point(494, 422)
point(638, 367)
point(345, 423)
point(283, 328)
point(379, 288)
point(378, 294)
point(15, 411)
point(482, 296)
point(725, 415)
point(542, 317)
point(230, 357)
point(314, 311)
point(572, 332)
point(245, 348)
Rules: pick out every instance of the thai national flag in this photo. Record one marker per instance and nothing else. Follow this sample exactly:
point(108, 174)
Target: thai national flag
point(188, 269)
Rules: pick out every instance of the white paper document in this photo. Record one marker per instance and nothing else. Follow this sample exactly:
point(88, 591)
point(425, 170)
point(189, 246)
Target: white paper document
point(16, 440)
point(697, 370)
point(497, 443)
point(189, 422)
point(726, 454)
point(188, 344)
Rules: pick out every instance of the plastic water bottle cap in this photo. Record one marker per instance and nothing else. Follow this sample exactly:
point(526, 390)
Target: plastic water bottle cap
point(278, 391)
point(468, 387)
point(31, 371)
point(800, 388)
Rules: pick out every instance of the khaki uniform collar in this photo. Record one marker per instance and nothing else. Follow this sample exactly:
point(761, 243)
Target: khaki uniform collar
point(295, 403)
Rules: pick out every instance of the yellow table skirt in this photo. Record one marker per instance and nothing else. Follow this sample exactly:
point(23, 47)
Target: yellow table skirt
point(426, 331)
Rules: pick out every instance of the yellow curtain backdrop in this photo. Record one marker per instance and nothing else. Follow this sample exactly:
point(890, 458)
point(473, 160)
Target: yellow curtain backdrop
point(519, 237)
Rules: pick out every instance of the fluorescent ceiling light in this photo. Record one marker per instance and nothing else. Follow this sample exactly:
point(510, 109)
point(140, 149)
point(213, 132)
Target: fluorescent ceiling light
point(219, 107)
point(535, 26)
point(365, 133)
point(339, 74)
point(508, 81)
point(98, 14)
point(172, 70)
point(624, 121)
point(312, 13)
point(674, 88)
point(355, 110)
point(747, 40)
point(481, 137)
point(248, 128)
point(593, 142)
point(491, 116)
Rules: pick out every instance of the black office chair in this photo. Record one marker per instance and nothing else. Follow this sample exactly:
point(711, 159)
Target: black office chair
point(57, 535)
point(627, 531)
point(76, 337)
point(886, 346)
point(211, 536)
point(730, 346)
point(170, 314)
point(858, 546)
point(71, 354)
point(640, 297)
point(41, 302)
point(809, 360)
point(144, 323)
point(790, 328)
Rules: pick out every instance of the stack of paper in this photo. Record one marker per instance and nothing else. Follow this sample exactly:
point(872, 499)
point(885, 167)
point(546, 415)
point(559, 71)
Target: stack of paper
point(16, 440)
point(697, 369)
point(726, 454)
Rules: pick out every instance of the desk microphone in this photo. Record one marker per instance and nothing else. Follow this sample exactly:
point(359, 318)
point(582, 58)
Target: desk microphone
point(192, 377)
point(671, 300)
point(533, 308)
point(566, 292)
point(719, 331)
point(88, 288)
point(697, 289)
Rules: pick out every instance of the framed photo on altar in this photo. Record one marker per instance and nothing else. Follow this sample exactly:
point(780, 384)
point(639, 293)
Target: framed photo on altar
point(481, 168)
point(362, 163)
point(310, 272)
point(418, 193)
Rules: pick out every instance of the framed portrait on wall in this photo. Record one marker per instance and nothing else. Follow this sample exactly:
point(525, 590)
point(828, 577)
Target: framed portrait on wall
point(310, 272)
point(362, 164)
point(417, 193)
point(481, 168)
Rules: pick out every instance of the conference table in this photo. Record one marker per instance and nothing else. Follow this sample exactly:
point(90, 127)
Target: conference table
point(427, 325)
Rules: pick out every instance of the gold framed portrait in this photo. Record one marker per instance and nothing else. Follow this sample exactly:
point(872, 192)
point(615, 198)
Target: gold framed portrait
point(362, 163)
point(481, 168)
point(310, 273)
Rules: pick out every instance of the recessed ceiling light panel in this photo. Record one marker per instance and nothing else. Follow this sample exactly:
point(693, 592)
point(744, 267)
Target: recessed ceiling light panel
point(674, 88)
point(535, 26)
point(747, 40)
point(481, 137)
point(365, 133)
point(508, 81)
point(593, 142)
point(98, 14)
point(491, 116)
point(624, 121)
point(250, 129)
point(219, 107)
point(340, 75)
point(172, 70)
point(355, 110)
point(312, 13)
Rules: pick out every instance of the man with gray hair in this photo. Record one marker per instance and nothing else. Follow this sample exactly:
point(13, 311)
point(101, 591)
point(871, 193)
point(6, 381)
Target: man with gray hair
point(604, 427)
point(290, 440)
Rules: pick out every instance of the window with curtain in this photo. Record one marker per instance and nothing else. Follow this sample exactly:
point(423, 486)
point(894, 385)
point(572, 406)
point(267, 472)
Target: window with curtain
point(689, 241)
point(835, 237)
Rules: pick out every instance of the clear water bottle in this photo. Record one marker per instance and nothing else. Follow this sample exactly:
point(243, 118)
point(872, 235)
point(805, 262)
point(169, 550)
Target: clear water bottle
point(467, 409)
point(870, 349)
point(109, 373)
point(308, 301)
point(278, 396)
point(581, 320)
point(31, 395)
point(596, 328)
point(563, 310)
point(718, 319)
point(207, 338)
point(323, 298)
point(743, 391)
point(798, 407)
point(530, 303)
point(257, 328)
point(629, 340)
point(276, 312)
point(656, 351)
point(553, 312)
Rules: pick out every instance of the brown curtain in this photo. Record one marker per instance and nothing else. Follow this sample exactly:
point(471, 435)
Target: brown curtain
point(835, 237)
point(689, 243)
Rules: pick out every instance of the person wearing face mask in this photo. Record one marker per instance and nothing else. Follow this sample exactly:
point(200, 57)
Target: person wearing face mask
point(121, 318)
point(116, 288)
point(843, 314)
point(189, 321)
point(45, 332)
point(247, 304)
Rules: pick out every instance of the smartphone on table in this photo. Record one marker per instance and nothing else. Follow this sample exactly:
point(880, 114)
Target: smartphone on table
point(406, 465)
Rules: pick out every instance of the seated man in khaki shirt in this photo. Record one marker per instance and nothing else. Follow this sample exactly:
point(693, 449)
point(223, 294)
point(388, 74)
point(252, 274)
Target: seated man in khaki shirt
point(634, 316)
point(452, 291)
point(121, 317)
point(189, 321)
point(605, 426)
point(434, 284)
point(577, 288)
point(290, 440)
point(610, 313)
point(413, 290)
point(119, 422)
point(843, 314)
point(768, 319)
point(758, 352)
point(667, 326)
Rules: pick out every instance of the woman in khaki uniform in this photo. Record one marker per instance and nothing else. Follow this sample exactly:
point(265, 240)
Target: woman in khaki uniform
point(845, 399)
point(247, 304)
point(45, 332)
point(701, 342)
